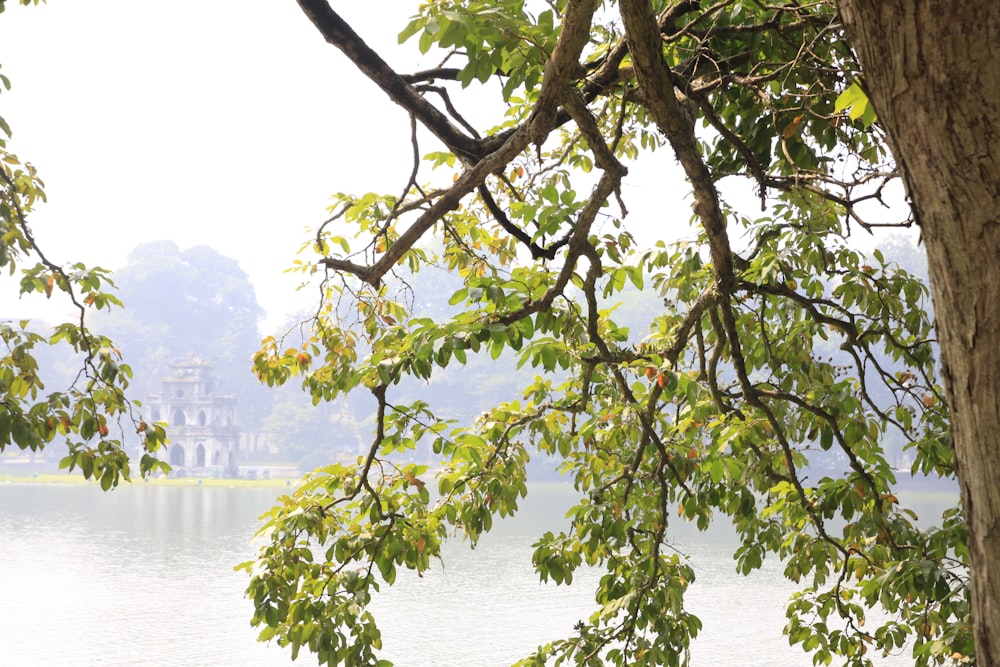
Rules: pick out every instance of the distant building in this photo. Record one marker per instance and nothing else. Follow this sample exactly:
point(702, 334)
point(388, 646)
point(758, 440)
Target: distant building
point(201, 425)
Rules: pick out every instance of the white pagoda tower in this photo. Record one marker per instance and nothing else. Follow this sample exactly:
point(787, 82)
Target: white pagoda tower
point(201, 425)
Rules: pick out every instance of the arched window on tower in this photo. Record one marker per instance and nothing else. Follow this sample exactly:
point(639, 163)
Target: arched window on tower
point(176, 456)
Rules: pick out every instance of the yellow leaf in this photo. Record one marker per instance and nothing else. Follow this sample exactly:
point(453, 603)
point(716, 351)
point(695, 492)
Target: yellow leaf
point(412, 479)
point(792, 127)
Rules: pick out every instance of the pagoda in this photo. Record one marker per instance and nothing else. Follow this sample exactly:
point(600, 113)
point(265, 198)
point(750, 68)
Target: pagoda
point(201, 425)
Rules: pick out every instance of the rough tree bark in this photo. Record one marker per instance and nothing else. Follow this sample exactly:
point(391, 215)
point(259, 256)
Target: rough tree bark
point(931, 72)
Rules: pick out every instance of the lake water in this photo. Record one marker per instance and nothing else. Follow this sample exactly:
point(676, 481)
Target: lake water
point(143, 576)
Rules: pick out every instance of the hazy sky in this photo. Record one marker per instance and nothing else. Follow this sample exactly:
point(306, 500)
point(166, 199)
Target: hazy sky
point(223, 122)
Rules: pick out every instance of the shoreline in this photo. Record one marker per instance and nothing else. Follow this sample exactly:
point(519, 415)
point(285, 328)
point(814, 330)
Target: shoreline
point(76, 479)
point(905, 483)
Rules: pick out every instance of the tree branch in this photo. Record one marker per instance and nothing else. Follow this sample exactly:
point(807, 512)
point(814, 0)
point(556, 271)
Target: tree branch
point(656, 83)
point(338, 33)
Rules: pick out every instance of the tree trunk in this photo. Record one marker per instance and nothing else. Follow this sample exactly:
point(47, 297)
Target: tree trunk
point(931, 71)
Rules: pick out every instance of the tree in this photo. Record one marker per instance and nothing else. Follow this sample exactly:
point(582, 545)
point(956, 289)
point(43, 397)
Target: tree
point(182, 302)
point(313, 435)
point(928, 74)
point(717, 407)
point(714, 410)
point(308, 435)
point(92, 414)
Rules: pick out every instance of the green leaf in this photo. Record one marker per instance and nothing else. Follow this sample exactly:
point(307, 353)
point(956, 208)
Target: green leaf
point(856, 101)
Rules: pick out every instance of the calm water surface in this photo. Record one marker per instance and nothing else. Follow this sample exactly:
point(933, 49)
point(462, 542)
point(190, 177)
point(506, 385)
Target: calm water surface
point(143, 576)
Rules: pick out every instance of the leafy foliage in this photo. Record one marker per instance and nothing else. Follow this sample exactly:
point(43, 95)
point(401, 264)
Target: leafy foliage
point(92, 415)
point(779, 345)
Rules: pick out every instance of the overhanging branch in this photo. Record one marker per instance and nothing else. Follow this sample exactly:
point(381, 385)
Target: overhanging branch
point(338, 33)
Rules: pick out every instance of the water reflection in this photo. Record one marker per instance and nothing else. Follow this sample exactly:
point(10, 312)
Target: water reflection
point(144, 575)
point(136, 577)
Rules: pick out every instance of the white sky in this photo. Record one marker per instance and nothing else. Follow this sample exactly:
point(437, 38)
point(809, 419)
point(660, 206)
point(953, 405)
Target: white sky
point(222, 122)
